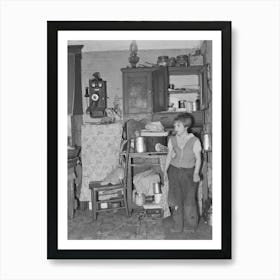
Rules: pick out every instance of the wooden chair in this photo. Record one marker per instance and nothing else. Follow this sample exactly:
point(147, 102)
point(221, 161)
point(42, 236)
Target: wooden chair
point(121, 197)
point(96, 188)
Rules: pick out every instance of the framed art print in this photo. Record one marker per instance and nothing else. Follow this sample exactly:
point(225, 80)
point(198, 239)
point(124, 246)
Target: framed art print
point(139, 140)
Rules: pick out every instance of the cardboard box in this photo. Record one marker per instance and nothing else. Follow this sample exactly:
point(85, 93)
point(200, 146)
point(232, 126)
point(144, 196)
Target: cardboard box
point(154, 213)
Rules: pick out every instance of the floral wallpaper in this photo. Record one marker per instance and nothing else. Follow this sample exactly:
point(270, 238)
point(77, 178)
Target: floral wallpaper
point(100, 153)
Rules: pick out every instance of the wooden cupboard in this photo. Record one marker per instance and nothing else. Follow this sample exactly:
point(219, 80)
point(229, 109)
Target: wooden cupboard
point(145, 90)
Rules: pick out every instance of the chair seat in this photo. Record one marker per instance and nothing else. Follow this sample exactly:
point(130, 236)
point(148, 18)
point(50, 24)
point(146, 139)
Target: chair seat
point(97, 185)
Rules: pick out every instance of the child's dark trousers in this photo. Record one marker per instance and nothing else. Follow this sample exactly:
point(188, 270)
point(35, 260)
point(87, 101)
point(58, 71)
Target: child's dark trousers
point(182, 193)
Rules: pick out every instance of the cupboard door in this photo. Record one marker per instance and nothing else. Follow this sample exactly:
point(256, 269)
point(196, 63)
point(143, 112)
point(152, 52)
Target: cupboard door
point(71, 82)
point(137, 92)
point(160, 87)
point(75, 98)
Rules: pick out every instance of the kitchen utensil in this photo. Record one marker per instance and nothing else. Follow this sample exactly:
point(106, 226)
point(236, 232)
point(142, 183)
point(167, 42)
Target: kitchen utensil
point(149, 198)
point(103, 205)
point(189, 106)
point(162, 61)
point(182, 104)
point(182, 60)
point(157, 188)
point(140, 144)
point(195, 105)
point(139, 199)
point(206, 139)
point(115, 204)
point(172, 62)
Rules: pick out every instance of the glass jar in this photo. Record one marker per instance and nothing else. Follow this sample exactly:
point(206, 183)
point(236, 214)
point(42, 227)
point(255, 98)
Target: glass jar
point(172, 62)
point(162, 61)
point(182, 60)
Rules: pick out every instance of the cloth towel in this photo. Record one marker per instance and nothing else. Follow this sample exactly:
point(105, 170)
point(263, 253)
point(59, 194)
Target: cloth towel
point(143, 182)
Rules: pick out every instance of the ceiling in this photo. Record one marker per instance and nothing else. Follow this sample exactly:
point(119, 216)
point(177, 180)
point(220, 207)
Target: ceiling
point(107, 45)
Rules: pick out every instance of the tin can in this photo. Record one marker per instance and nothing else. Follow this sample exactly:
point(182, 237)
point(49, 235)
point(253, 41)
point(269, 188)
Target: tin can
point(162, 60)
point(181, 104)
point(195, 105)
point(172, 62)
point(207, 143)
point(182, 60)
point(139, 199)
point(189, 106)
point(140, 144)
point(157, 188)
point(103, 205)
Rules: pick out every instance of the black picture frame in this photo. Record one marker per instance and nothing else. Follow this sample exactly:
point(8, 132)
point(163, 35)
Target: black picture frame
point(53, 27)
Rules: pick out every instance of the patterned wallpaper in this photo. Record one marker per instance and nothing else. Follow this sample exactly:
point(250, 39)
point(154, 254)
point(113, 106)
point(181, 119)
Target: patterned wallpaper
point(100, 153)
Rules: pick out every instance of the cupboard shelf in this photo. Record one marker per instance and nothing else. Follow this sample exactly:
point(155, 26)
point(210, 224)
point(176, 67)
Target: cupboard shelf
point(190, 70)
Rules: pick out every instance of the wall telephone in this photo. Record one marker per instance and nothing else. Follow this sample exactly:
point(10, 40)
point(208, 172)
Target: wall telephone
point(96, 92)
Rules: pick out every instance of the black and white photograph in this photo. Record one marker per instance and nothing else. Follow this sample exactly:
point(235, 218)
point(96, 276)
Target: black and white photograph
point(140, 163)
point(139, 139)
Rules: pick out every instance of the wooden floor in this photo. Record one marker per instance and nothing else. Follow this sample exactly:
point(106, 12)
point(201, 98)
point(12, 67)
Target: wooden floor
point(138, 226)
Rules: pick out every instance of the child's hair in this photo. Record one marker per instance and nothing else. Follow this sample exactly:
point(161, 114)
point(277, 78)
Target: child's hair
point(186, 119)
